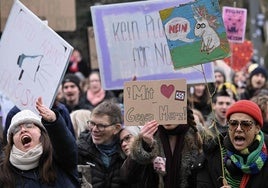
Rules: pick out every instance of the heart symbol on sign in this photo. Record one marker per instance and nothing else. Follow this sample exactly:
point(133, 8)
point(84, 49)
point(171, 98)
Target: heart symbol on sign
point(167, 90)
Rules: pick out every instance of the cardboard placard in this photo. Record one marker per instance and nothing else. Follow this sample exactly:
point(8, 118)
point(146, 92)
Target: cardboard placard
point(60, 14)
point(92, 49)
point(161, 100)
point(33, 59)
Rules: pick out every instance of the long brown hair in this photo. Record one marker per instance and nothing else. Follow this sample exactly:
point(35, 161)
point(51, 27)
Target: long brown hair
point(47, 172)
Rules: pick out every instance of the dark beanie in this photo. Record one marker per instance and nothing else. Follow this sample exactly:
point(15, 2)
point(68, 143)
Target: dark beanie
point(247, 107)
point(259, 70)
point(71, 78)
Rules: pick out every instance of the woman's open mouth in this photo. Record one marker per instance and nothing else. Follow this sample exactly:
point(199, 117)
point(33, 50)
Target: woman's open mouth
point(25, 139)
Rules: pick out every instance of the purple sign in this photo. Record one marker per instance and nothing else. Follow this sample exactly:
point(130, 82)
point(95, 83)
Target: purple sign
point(131, 41)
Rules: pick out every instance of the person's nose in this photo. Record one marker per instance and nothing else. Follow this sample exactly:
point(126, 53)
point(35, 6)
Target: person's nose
point(22, 128)
point(239, 128)
point(124, 144)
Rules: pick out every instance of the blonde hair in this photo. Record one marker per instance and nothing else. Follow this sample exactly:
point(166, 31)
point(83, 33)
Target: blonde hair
point(79, 120)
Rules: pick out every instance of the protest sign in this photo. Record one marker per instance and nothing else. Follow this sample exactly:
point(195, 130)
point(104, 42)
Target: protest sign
point(161, 100)
point(33, 59)
point(235, 20)
point(130, 40)
point(195, 28)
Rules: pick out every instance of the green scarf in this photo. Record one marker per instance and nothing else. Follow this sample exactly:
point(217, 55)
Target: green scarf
point(256, 155)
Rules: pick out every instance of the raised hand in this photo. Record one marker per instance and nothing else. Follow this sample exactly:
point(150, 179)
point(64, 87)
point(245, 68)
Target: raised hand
point(44, 111)
point(148, 131)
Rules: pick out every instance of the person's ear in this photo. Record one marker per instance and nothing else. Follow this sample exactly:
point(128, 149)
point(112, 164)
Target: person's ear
point(117, 128)
point(258, 129)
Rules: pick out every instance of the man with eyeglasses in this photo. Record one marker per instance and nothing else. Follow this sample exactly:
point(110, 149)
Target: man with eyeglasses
point(99, 146)
point(242, 159)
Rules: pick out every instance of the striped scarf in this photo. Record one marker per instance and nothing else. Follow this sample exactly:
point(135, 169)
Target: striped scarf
point(256, 155)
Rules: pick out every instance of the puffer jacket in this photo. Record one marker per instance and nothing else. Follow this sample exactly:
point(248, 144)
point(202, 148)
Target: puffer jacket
point(101, 176)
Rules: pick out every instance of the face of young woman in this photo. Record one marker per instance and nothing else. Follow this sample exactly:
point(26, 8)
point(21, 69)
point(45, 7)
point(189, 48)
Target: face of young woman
point(258, 81)
point(242, 130)
point(26, 136)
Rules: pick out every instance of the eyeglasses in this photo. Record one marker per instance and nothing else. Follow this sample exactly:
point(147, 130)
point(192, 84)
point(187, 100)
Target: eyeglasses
point(245, 125)
point(99, 126)
point(25, 125)
point(126, 139)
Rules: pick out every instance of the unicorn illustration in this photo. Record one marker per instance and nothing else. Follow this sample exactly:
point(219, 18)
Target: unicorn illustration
point(205, 29)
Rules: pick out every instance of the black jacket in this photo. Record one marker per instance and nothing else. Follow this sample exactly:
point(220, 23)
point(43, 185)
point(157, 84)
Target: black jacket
point(101, 176)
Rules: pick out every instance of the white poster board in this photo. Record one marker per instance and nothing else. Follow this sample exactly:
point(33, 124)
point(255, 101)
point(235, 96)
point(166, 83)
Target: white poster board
point(33, 59)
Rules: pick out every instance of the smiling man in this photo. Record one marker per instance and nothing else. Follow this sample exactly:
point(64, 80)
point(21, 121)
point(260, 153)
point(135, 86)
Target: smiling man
point(99, 146)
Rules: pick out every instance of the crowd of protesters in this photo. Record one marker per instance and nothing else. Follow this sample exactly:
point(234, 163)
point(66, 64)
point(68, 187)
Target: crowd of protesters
point(82, 140)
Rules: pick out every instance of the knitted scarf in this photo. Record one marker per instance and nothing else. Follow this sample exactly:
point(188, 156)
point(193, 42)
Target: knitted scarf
point(249, 161)
point(25, 160)
point(107, 151)
point(172, 161)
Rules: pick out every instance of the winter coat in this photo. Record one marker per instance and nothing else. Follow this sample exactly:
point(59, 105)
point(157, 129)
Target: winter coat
point(141, 168)
point(101, 176)
point(210, 176)
point(64, 159)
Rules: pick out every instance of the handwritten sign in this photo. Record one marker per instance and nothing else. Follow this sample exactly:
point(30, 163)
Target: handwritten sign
point(161, 100)
point(197, 29)
point(235, 20)
point(130, 40)
point(33, 59)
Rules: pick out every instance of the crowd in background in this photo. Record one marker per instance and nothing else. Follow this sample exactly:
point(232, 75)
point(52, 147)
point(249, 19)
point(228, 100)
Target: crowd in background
point(223, 143)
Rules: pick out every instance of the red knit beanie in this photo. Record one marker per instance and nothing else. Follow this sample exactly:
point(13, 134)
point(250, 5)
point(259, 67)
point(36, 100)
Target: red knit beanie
point(247, 107)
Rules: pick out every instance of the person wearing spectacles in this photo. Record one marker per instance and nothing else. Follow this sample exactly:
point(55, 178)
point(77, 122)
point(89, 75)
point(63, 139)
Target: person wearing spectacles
point(40, 152)
point(99, 146)
point(127, 136)
point(241, 159)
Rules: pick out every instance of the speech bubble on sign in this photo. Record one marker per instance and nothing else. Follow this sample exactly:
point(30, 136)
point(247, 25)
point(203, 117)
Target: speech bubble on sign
point(178, 29)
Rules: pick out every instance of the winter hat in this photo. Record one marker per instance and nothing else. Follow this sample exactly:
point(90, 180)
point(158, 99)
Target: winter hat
point(134, 130)
point(247, 107)
point(21, 117)
point(259, 70)
point(71, 78)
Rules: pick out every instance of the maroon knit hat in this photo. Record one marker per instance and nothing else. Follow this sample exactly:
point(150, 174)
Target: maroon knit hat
point(247, 107)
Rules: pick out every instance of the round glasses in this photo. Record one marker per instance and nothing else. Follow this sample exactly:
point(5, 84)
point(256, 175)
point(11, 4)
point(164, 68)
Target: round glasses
point(100, 127)
point(126, 139)
point(245, 125)
point(17, 128)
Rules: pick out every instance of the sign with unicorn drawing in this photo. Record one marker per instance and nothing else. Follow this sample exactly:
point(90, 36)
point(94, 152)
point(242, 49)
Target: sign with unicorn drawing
point(195, 33)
